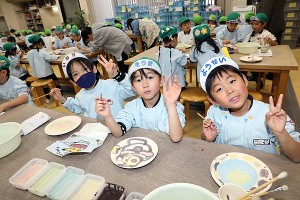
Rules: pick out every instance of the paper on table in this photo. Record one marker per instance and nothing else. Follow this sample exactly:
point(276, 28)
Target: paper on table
point(267, 54)
point(2, 113)
point(95, 127)
point(33, 122)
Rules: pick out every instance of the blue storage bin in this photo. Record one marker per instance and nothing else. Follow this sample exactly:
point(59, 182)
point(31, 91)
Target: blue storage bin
point(178, 3)
point(176, 16)
point(121, 8)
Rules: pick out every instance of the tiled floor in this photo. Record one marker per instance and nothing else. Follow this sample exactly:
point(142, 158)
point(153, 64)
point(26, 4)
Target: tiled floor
point(193, 126)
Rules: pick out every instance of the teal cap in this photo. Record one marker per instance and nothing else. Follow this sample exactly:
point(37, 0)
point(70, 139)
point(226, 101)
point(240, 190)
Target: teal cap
point(248, 15)
point(9, 46)
point(183, 19)
point(34, 38)
point(262, 17)
point(198, 19)
point(59, 30)
point(167, 31)
point(201, 32)
point(223, 19)
point(233, 17)
point(4, 62)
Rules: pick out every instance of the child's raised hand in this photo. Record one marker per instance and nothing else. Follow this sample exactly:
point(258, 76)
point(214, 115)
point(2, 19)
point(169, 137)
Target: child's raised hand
point(172, 92)
point(102, 107)
point(56, 93)
point(109, 66)
point(276, 118)
point(209, 130)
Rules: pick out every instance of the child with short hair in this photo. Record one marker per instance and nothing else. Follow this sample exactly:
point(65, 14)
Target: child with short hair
point(246, 28)
point(222, 24)
point(82, 72)
point(230, 34)
point(171, 60)
point(206, 47)
point(259, 34)
point(186, 35)
point(236, 119)
point(61, 41)
point(15, 67)
point(12, 89)
point(151, 110)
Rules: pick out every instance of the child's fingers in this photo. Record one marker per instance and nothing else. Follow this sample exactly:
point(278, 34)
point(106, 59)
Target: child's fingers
point(271, 103)
point(279, 102)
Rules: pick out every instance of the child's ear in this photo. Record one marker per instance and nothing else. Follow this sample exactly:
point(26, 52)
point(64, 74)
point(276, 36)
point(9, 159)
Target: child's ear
point(212, 101)
point(245, 80)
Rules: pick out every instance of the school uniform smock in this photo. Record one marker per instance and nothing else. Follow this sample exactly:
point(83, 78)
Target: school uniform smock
point(172, 67)
point(136, 115)
point(249, 131)
point(59, 43)
point(39, 62)
point(225, 34)
point(28, 44)
point(84, 101)
point(259, 37)
point(244, 31)
point(111, 39)
point(48, 40)
point(217, 29)
point(14, 68)
point(13, 88)
point(186, 38)
point(202, 58)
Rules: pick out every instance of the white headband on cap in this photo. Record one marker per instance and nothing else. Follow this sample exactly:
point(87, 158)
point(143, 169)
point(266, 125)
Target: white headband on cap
point(68, 58)
point(144, 63)
point(212, 64)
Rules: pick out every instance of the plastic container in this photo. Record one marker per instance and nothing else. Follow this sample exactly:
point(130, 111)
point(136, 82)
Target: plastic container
point(247, 48)
point(112, 192)
point(135, 196)
point(10, 137)
point(27, 172)
point(90, 187)
point(66, 184)
point(41, 184)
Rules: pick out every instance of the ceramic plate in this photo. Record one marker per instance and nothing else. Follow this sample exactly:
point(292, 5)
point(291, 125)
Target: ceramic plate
point(134, 152)
point(251, 59)
point(62, 125)
point(241, 169)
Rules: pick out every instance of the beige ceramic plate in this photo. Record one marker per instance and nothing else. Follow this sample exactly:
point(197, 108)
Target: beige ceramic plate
point(134, 152)
point(62, 125)
point(251, 59)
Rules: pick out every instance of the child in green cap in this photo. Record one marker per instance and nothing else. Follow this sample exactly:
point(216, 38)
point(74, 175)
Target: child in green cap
point(61, 41)
point(185, 36)
point(197, 20)
point(67, 30)
point(12, 89)
point(246, 28)
point(206, 47)
point(48, 40)
point(171, 60)
point(222, 24)
point(212, 22)
point(29, 33)
point(259, 34)
point(229, 35)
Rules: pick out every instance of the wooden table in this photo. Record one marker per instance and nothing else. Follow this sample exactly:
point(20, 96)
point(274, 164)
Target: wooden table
point(139, 41)
point(187, 161)
point(281, 63)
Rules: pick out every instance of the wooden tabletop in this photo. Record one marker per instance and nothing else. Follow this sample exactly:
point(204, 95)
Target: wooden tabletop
point(187, 161)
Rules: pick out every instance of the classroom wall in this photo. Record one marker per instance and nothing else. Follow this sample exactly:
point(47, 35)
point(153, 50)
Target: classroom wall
point(51, 17)
point(13, 19)
point(84, 5)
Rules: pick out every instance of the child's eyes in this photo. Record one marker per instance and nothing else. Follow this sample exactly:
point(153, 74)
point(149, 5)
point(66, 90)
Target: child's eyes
point(219, 90)
point(137, 80)
point(232, 81)
point(150, 77)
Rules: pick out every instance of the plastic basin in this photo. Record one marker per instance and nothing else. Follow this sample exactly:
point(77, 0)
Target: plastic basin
point(247, 48)
point(10, 137)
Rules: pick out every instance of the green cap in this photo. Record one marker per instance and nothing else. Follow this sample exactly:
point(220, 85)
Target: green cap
point(68, 26)
point(118, 25)
point(41, 33)
point(29, 32)
point(201, 32)
point(233, 17)
point(198, 19)
point(48, 32)
point(223, 19)
point(17, 32)
point(59, 30)
point(119, 19)
point(23, 32)
point(4, 62)
point(262, 17)
point(212, 17)
point(248, 15)
point(167, 31)
point(74, 27)
point(34, 38)
point(74, 32)
point(183, 19)
point(9, 46)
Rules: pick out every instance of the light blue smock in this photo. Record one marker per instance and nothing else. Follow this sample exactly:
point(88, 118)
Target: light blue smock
point(14, 62)
point(136, 115)
point(244, 31)
point(58, 44)
point(224, 34)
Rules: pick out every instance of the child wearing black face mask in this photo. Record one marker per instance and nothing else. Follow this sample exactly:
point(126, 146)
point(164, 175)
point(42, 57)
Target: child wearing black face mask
point(82, 72)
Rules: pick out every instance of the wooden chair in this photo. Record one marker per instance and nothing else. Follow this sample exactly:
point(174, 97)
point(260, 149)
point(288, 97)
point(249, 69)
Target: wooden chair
point(37, 90)
point(256, 95)
point(196, 95)
point(31, 79)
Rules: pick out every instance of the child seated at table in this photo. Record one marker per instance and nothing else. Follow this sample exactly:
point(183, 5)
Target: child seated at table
point(206, 47)
point(14, 58)
point(259, 34)
point(246, 28)
point(171, 60)
point(186, 35)
point(212, 22)
point(12, 89)
point(82, 72)
point(151, 110)
point(222, 24)
point(48, 40)
point(39, 61)
point(229, 35)
point(236, 119)
point(61, 41)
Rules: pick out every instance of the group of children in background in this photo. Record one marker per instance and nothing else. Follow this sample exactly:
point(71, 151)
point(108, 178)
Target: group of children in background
point(232, 119)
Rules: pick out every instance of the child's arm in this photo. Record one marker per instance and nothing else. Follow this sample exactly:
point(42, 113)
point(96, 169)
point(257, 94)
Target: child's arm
point(171, 95)
point(22, 99)
point(102, 108)
point(276, 120)
point(272, 42)
point(210, 131)
point(57, 95)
